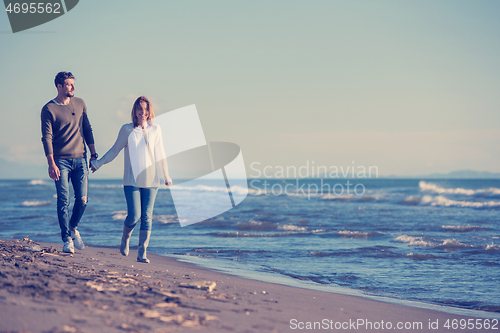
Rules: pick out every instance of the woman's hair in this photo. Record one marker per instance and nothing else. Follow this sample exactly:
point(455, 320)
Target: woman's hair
point(137, 106)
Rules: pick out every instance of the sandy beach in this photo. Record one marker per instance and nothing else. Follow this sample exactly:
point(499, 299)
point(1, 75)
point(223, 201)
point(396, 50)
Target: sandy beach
point(98, 290)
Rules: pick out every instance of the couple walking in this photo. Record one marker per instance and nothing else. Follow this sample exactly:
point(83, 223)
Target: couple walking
point(66, 131)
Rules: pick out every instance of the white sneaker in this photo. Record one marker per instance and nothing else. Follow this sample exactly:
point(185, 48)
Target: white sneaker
point(68, 246)
point(77, 240)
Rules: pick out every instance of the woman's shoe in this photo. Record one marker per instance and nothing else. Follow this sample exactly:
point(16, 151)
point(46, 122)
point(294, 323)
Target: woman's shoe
point(143, 245)
point(127, 232)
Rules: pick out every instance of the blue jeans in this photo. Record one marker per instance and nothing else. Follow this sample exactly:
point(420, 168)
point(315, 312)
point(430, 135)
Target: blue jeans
point(76, 170)
point(140, 203)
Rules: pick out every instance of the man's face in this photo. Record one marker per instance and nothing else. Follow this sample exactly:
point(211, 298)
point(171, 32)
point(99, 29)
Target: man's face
point(68, 87)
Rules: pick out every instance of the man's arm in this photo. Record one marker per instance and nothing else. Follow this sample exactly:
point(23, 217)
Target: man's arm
point(92, 152)
point(88, 134)
point(54, 172)
point(46, 118)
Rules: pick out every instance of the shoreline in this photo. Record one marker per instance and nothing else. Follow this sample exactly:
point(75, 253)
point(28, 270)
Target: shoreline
point(99, 290)
point(291, 282)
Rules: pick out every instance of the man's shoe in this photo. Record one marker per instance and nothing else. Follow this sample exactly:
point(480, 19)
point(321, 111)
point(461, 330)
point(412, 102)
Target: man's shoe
point(77, 240)
point(68, 246)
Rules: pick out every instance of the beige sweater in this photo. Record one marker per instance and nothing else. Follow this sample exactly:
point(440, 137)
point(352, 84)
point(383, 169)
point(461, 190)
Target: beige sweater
point(66, 129)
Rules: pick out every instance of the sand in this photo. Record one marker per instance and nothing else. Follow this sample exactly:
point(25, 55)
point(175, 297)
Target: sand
point(99, 290)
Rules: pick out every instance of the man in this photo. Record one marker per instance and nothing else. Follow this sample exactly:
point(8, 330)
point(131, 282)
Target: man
point(65, 131)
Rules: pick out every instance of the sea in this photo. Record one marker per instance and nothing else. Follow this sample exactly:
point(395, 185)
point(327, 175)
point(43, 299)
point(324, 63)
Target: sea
point(423, 242)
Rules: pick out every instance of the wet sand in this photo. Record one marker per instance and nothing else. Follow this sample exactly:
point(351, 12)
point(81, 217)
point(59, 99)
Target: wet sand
point(99, 290)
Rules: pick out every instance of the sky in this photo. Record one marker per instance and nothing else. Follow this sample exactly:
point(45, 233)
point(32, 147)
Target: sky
point(410, 87)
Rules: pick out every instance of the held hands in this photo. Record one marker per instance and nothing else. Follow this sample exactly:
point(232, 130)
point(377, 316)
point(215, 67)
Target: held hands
point(92, 167)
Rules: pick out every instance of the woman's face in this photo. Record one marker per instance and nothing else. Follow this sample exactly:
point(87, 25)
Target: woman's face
point(142, 113)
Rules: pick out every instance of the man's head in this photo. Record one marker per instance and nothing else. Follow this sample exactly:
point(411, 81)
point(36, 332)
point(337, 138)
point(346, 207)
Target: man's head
point(65, 83)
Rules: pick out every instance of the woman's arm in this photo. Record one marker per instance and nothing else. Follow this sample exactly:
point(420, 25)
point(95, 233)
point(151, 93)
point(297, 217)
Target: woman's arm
point(161, 157)
point(120, 143)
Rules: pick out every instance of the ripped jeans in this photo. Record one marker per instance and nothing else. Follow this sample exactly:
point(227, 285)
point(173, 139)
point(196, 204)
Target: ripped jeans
point(76, 170)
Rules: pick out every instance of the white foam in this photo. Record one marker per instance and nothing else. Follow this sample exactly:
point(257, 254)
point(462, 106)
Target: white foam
point(38, 182)
point(429, 187)
point(414, 241)
point(355, 233)
point(263, 226)
point(119, 215)
point(420, 241)
point(462, 227)
point(165, 219)
point(289, 227)
point(492, 247)
point(35, 203)
point(454, 243)
point(445, 202)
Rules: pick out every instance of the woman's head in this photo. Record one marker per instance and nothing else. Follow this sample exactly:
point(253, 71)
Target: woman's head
point(142, 111)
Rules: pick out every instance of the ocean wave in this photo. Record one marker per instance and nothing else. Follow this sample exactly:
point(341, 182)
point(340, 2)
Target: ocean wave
point(492, 247)
point(429, 187)
point(165, 219)
point(119, 215)
point(445, 202)
point(35, 203)
point(350, 197)
point(267, 226)
point(411, 200)
point(424, 242)
point(357, 234)
point(320, 279)
point(418, 256)
point(106, 186)
point(289, 227)
point(343, 197)
point(242, 190)
point(462, 228)
point(315, 231)
point(320, 254)
point(230, 251)
point(39, 182)
point(204, 188)
point(415, 241)
point(367, 198)
point(245, 234)
point(304, 195)
point(453, 243)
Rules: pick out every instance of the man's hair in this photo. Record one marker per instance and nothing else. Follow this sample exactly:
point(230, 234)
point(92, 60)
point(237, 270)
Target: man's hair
point(137, 106)
point(61, 77)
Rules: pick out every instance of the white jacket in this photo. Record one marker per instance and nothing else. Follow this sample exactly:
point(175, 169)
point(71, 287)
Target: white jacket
point(137, 154)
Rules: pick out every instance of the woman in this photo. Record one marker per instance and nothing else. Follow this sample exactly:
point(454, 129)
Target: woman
point(142, 140)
